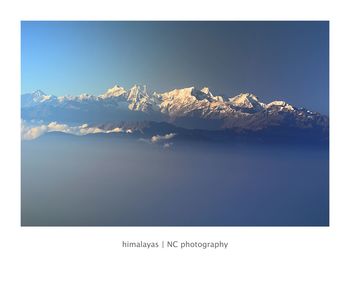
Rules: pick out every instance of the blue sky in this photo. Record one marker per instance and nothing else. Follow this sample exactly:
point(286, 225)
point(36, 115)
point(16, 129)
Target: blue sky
point(274, 60)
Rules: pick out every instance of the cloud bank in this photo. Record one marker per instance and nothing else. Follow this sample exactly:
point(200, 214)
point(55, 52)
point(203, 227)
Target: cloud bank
point(30, 131)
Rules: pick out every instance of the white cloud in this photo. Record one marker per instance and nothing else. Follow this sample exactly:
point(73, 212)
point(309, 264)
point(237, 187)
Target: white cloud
point(29, 133)
point(158, 138)
point(116, 130)
point(33, 130)
point(54, 126)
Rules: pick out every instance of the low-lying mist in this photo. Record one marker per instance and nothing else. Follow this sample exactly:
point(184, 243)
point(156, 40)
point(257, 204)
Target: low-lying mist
point(109, 181)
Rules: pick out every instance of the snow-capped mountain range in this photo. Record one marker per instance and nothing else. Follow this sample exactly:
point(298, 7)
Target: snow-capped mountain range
point(186, 107)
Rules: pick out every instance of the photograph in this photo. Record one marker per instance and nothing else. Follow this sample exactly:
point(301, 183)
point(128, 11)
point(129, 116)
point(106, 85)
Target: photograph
point(174, 123)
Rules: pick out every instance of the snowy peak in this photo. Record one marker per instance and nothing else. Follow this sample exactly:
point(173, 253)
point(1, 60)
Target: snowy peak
point(177, 102)
point(39, 96)
point(280, 105)
point(86, 96)
point(83, 98)
point(191, 102)
point(138, 98)
point(246, 100)
point(35, 98)
point(178, 94)
point(137, 92)
point(206, 90)
point(243, 98)
point(134, 94)
point(191, 94)
point(205, 93)
point(115, 91)
point(38, 93)
point(211, 96)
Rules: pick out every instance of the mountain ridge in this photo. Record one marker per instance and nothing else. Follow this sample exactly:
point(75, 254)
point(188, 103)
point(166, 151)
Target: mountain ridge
point(188, 107)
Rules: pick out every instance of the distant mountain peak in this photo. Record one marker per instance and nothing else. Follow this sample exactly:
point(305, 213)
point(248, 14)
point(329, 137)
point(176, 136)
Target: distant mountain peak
point(206, 90)
point(38, 92)
point(281, 104)
point(116, 87)
point(247, 100)
point(140, 87)
point(115, 91)
point(137, 92)
point(39, 96)
point(243, 96)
